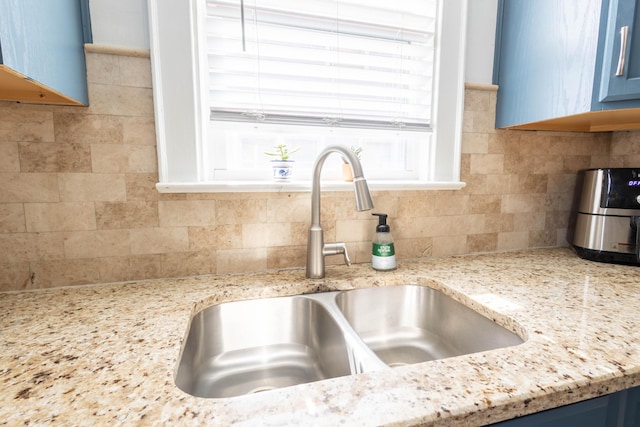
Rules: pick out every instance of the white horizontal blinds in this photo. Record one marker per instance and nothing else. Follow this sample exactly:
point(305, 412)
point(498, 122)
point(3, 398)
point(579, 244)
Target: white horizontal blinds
point(353, 63)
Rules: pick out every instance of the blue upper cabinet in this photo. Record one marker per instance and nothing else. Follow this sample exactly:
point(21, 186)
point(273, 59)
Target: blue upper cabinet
point(554, 64)
point(621, 65)
point(42, 51)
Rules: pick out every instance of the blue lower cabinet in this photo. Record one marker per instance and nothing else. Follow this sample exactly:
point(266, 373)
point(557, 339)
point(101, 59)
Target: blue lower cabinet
point(631, 408)
point(620, 409)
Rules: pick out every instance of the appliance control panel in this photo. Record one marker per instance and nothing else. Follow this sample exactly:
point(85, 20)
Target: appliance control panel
point(620, 188)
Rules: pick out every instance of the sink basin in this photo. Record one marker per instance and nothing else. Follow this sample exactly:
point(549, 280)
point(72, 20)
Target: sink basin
point(250, 346)
point(411, 324)
point(244, 347)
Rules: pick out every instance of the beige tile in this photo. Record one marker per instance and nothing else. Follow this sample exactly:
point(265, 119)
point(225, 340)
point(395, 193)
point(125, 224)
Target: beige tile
point(561, 237)
point(12, 218)
point(117, 269)
point(21, 247)
point(508, 222)
point(92, 187)
point(287, 208)
point(528, 183)
point(542, 238)
point(518, 203)
point(531, 220)
point(477, 100)
point(482, 242)
point(485, 204)
point(359, 253)
point(159, 240)
point(576, 163)
point(109, 158)
point(60, 216)
point(256, 235)
point(407, 228)
point(483, 122)
point(548, 164)
point(355, 231)
point(241, 260)
point(492, 223)
point(28, 187)
point(136, 214)
point(561, 183)
point(417, 206)
point(451, 204)
point(279, 234)
point(135, 71)
point(449, 245)
point(103, 68)
point(286, 257)
point(88, 128)
point(47, 274)
point(142, 186)
point(468, 224)
point(187, 213)
point(475, 143)
point(217, 237)
point(483, 164)
point(15, 276)
point(179, 264)
point(300, 233)
point(413, 248)
point(54, 157)
point(26, 124)
point(556, 219)
point(497, 184)
point(120, 100)
point(513, 240)
point(96, 243)
point(9, 157)
point(138, 130)
point(241, 211)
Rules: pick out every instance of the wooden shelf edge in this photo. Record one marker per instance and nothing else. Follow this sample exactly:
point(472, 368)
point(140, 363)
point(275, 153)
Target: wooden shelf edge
point(17, 87)
point(595, 121)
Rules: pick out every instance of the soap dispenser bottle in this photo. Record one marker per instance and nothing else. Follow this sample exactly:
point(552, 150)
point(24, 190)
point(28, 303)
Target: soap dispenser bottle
point(383, 255)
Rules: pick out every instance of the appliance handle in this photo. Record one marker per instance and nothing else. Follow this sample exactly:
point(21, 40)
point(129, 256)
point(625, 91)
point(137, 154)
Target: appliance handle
point(624, 34)
point(635, 221)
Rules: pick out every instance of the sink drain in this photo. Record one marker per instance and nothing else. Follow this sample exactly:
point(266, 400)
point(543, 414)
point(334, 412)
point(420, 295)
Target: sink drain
point(261, 389)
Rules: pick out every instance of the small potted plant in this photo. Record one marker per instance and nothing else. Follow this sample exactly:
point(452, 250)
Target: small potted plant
point(347, 175)
point(282, 164)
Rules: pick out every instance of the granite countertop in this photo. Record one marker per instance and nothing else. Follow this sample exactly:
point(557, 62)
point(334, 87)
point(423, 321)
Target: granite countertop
point(106, 354)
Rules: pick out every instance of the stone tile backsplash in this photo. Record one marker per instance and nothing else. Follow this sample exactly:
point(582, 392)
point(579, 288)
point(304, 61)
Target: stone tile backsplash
point(78, 202)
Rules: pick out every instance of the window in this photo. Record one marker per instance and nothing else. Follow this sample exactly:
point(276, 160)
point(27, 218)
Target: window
point(386, 76)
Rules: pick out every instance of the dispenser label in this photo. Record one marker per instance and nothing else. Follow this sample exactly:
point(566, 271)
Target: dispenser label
point(384, 249)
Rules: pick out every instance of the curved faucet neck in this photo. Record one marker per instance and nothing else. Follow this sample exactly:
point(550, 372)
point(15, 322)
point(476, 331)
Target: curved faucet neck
point(358, 180)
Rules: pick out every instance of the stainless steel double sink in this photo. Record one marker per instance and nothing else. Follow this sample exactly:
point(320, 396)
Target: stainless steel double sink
point(249, 346)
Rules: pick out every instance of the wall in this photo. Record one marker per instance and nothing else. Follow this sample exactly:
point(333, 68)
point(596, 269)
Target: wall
point(78, 203)
point(124, 23)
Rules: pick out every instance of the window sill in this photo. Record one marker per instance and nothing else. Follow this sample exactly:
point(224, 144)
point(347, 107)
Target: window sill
point(299, 186)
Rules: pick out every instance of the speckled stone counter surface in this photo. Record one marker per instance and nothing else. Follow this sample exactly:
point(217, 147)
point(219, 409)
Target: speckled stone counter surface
point(106, 354)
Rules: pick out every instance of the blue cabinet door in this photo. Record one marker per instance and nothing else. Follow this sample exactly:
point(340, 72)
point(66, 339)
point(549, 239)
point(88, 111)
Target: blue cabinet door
point(598, 412)
point(545, 59)
point(621, 409)
point(620, 79)
point(43, 42)
point(631, 406)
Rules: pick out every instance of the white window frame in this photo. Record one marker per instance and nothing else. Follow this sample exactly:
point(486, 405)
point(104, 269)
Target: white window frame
point(182, 113)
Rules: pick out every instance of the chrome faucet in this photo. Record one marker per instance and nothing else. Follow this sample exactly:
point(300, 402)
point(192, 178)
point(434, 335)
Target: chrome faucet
point(316, 248)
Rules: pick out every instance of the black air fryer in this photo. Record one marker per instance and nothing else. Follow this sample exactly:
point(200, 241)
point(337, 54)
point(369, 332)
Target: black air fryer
point(606, 215)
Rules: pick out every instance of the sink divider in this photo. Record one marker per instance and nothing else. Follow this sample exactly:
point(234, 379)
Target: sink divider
point(361, 358)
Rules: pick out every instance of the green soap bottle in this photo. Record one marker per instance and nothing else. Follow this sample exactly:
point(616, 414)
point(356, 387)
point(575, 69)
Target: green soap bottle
point(383, 254)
